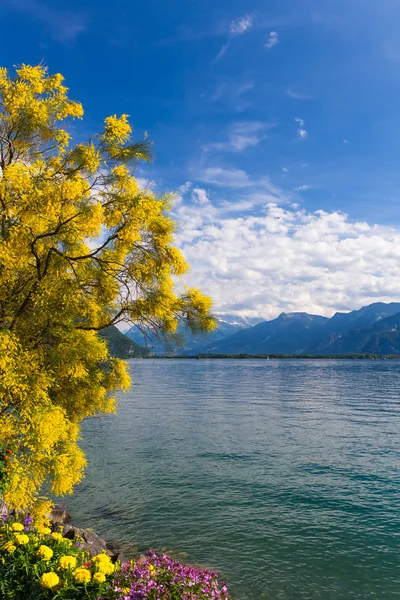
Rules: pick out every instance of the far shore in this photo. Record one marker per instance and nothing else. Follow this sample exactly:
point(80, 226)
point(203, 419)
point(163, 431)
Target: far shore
point(279, 356)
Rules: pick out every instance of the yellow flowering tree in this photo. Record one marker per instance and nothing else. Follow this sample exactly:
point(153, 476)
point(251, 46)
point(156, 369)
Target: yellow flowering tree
point(81, 247)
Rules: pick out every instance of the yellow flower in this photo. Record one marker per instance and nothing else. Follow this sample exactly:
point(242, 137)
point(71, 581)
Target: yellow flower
point(45, 553)
point(99, 578)
point(49, 580)
point(104, 564)
point(17, 527)
point(126, 590)
point(56, 536)
point(9, 547)
point(21, 539)
point(44, 530)
point(82, 575)
point(67, 562)
point(152, 569)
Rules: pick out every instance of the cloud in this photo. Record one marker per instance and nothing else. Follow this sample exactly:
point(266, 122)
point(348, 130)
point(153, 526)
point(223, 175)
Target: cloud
point(200, 196)
point(240, 25)
point(64, 24)
point(241, 135)
point(297, 95)
point(273, 40)
point(237, 27)
point(185, 187)
point(301, 131)
point(288, 259)
point(145, 183)
point(225, 177)
point(303, 188)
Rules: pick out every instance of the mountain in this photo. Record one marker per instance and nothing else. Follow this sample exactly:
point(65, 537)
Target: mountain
point(289, 333)
point(121, 346)
point(371, 329)
point(327, 339)
point(382, 337)
point(188, 343)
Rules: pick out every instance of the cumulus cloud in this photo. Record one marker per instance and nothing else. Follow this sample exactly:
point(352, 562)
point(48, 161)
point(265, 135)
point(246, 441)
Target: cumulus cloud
point(273, 40)
point(240, 25)
point(200, 196)
point(288, 259)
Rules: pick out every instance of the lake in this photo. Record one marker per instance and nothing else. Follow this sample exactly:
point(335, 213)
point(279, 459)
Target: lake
point(283, 475)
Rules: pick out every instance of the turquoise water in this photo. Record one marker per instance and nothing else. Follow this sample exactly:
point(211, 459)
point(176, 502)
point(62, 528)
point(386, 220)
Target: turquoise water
point(283, 475)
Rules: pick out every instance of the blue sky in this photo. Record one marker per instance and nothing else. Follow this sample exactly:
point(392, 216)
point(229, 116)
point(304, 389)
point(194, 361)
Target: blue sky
point(270, 119)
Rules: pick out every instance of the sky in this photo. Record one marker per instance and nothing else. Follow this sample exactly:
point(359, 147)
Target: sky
point(276, 122)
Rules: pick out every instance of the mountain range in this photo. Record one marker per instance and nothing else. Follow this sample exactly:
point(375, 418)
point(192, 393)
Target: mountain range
point(372, 329)
point(187, 343)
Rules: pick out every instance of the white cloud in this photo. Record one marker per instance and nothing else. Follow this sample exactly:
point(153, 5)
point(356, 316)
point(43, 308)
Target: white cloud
point(185, 187)
point(303, 188)
point(145, 184)
point(225, 177)
point(346, 142)
point(303, 133)
point(241, 135)
point(236, 27)
point(200, 196)
point(240, 25)
point(288, 259)
point(273, 39)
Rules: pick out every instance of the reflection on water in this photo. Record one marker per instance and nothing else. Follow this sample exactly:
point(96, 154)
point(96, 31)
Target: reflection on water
point(284, 475)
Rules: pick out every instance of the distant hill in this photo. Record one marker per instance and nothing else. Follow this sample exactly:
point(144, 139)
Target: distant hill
point(382, 337)
point(287, 334)
point(186, 342)
point(371, 329)
point(121, 346)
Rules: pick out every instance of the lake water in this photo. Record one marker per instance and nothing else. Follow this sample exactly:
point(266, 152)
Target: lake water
point(283, 475)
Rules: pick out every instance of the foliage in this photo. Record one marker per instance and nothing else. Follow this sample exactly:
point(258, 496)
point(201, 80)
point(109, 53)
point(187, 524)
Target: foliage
point(82, 247)
point(161, 578)
point(36, 563)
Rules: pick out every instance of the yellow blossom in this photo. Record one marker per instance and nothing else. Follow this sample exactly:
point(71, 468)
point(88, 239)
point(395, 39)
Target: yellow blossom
point(117, 129)
point(44, 552)
point(99, 578)
point(9, 547)
point(49, 580)
point(43, 530)
point(21, 539)
point(82, 575)
point(125, 590)
point(56, 536)
point(17, 527)
point(67, 562)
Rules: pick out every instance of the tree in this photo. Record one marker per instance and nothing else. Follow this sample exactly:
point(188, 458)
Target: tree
point(82, 247)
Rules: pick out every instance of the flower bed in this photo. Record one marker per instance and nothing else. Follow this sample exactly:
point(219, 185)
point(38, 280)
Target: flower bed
point(37, 563)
